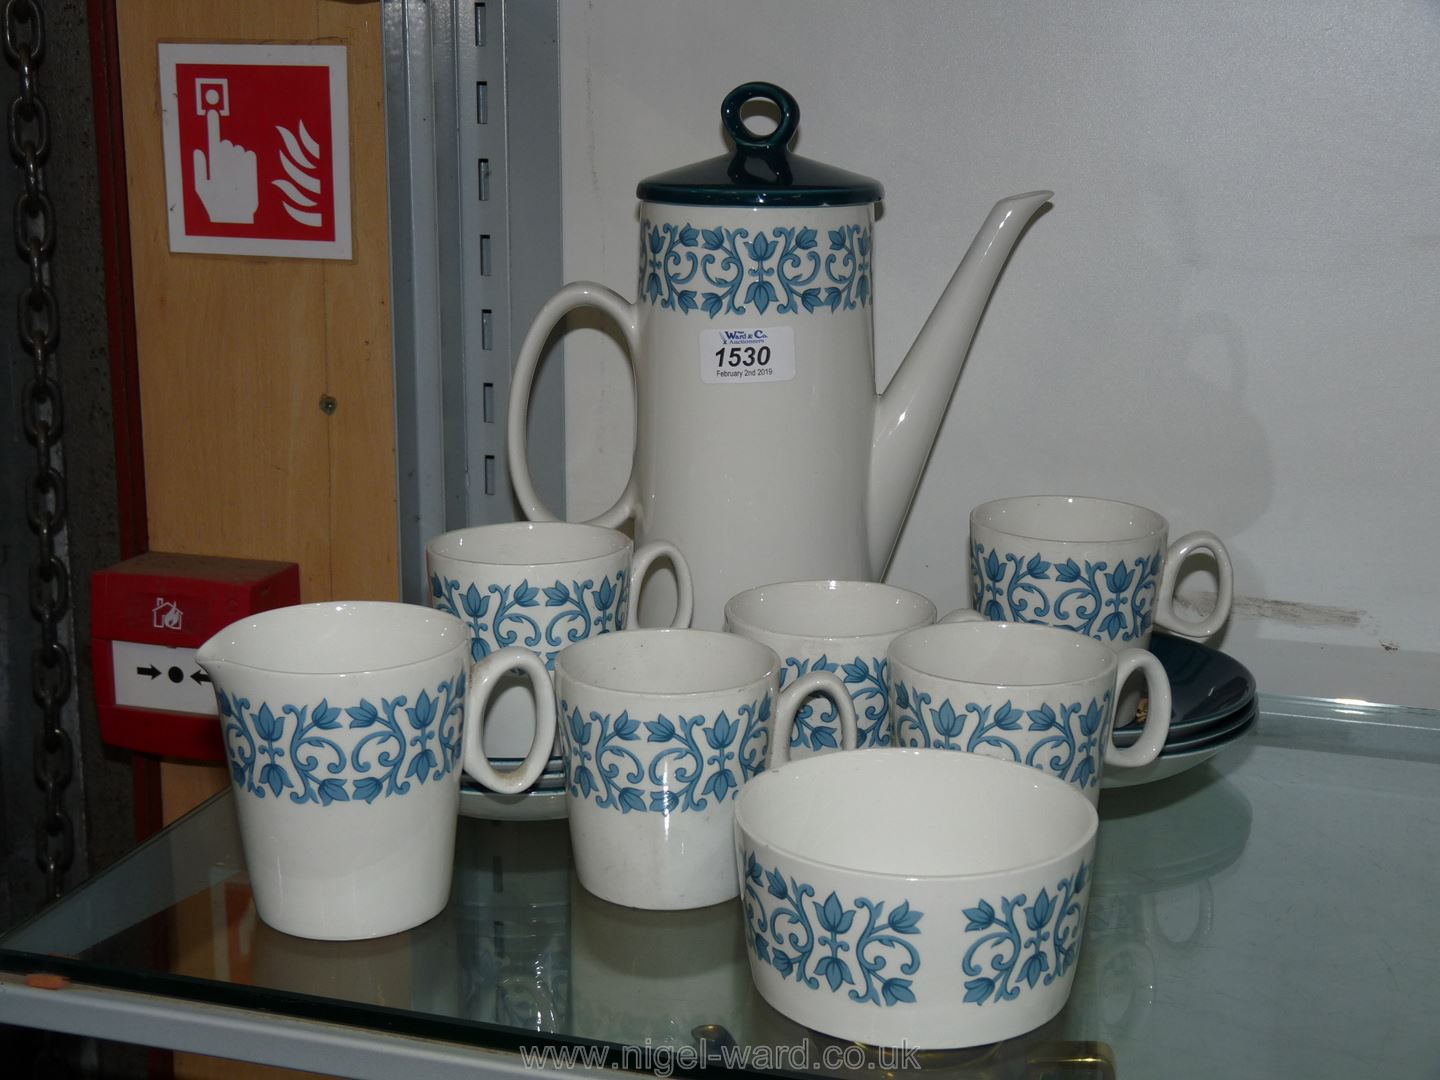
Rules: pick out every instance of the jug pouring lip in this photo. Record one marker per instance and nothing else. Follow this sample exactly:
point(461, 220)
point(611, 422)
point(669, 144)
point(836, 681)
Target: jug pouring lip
point(335, 638)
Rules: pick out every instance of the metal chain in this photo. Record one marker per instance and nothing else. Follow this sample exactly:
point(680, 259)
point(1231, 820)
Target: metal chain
point(43, 419)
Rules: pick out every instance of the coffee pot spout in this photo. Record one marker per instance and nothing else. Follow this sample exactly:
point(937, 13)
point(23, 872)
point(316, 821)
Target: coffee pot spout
point(908, 414)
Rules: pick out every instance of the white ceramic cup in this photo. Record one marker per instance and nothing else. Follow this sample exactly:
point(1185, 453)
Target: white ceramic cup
point(900, 897)
point(544, 586)
point(660, 730)
point(1096, 566)
point(1035, 695)
point(843, 627)
point(345, 726)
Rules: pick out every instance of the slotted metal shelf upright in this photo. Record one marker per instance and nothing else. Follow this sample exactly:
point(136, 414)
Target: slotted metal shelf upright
point(473, 132)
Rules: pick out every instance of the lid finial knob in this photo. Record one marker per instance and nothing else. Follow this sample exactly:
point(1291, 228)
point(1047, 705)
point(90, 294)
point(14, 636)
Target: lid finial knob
point(735, 124)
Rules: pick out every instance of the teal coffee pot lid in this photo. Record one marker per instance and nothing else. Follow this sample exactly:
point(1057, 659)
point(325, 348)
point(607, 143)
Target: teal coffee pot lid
point(761, 171)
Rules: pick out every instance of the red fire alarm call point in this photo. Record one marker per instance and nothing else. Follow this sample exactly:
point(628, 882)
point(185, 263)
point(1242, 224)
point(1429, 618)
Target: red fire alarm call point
point(148, 616)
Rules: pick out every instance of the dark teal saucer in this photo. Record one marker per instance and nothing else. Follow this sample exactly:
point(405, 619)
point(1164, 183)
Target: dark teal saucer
point(1207, 686)
point(1218, 731)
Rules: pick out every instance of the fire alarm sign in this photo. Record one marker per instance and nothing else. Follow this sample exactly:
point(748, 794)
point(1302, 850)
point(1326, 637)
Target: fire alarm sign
point(257, 149)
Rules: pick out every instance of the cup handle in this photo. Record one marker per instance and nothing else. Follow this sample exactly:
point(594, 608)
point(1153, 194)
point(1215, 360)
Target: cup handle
point(646, 554)
point(1157, 718)
point(1175, 557)
point(963, 614)
point(483, 677)
point(794, 695)
point(625, 315)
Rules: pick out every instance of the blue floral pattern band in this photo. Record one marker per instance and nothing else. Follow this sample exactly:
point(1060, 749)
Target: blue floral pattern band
point(1022, 944)
point(663, 765)
point(292, 750)
point(1071, 742)
point(1104, 602)
point(719, 270)
point(846, 944)
point(572, 612)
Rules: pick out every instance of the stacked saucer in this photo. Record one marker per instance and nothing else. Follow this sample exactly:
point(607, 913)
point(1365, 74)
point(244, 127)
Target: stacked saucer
point(552, 779)
point(543, 802)
point(1212, 705)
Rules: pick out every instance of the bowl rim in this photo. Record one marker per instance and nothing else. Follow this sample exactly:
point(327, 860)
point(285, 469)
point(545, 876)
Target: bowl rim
point(1090, 813)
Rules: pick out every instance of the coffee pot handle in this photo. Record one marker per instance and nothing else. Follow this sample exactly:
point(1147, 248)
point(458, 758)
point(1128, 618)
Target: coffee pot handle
point(578, 294)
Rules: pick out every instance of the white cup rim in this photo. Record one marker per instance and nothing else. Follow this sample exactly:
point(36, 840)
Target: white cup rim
point(741, 605)
point(756, 787)
point(710, 646)
point(496, 545)
point(1155, 524)
point(1099, 659)
point(427, 632)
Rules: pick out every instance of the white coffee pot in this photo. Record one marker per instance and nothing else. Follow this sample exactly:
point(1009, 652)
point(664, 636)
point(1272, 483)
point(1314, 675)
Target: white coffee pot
point(761, 448)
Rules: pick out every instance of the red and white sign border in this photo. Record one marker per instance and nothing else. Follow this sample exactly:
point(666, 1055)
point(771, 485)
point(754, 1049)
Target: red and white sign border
point(331, 56)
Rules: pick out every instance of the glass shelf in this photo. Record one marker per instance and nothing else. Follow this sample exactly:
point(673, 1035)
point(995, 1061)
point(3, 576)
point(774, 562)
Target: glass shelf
point(1269, 913)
